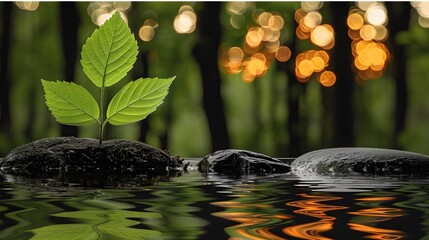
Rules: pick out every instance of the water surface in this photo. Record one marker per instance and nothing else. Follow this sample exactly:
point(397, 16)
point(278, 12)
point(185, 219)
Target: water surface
point(196, 206)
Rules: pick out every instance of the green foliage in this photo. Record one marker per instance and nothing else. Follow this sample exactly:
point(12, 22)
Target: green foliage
point(137, 99)
point(109, 53)
point(107, 56)
point(71, 103)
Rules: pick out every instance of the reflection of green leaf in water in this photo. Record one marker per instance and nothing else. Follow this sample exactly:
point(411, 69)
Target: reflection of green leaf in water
point(127, 233)
point(65, 232)
point(110, 215)
point(115, 223)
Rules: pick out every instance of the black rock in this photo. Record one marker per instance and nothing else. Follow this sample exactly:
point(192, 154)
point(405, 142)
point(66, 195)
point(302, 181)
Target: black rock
point(361, 161)
point(70, 157)
point(241, 162)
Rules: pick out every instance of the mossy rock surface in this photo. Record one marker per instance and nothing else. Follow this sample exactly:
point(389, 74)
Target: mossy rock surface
point(62, 155)
point(361, 161)
point(241, 162)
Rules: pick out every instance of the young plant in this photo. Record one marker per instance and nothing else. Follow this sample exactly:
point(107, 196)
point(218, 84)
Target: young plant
point(107, 56)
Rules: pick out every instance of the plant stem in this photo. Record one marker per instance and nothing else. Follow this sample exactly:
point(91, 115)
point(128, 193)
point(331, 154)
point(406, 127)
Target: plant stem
point(102, 123)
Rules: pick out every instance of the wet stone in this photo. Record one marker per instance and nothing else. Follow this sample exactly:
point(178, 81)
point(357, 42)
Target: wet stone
point(361, 161)
point(70, 156)
point(241, 162)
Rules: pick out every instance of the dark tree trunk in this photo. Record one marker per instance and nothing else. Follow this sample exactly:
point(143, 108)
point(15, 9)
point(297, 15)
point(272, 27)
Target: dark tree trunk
point(399, 20)
point(5, 84)
point(69, 18)
point(206, 53)
point(295, 90)
point(343, 110)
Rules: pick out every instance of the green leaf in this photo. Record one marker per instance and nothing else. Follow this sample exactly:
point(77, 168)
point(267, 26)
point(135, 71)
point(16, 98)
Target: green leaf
point(70, 103)
point(137, 99)
point(109, 53)
point(65, 232)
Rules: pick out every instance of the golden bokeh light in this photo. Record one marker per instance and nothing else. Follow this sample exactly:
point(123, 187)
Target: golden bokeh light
point(324, 55)
point(312, 19)
point(422, 8)
point(423, 11)
point(355, 21)
point(306, 68)
point(185, 8)
point(122, 5)
point(146, 33)
point(237, 21)
point(264, 19)
point(276, 23)
point(254, 36)
point(151, 23)
point(247, 76)
point(235, 55)
point(327, 78)
point(370, 54)
point(101, 11)
point(283, 54)
point(311, 6)
point(186, 20)
point(364, 5)
point(272, 47)
point(318, 64)
point(367, 32)
point(299, 14)
point(28, 6)
point(103, 18)
point(371, 58)
point(237, 8)
point(314, 62)
point(424, 22)
point(260, 48)
point(376, 14)
point(381, 33)
point(323, 36)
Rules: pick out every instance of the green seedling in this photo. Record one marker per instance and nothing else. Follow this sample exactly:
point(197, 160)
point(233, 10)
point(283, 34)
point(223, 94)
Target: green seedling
point(107, 56)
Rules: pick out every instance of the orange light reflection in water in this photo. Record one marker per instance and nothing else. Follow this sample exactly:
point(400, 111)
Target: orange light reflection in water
point(312, 206)
point(252, 224)
point(371, 216)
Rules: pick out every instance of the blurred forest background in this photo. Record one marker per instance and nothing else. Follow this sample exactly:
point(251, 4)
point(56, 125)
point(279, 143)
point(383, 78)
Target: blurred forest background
point(281, 78)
